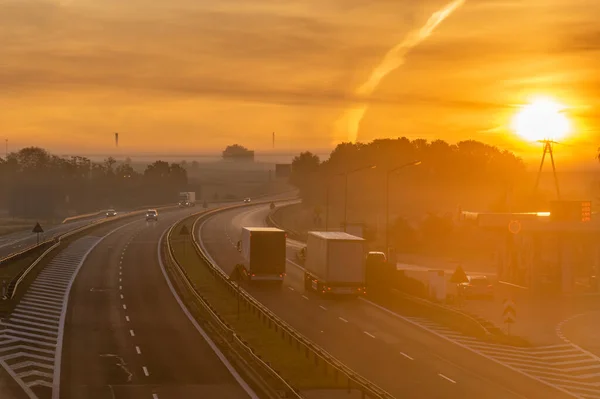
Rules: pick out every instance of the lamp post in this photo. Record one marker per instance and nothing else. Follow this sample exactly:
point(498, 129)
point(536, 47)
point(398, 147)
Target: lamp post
point(387, 199)
point(345, 174)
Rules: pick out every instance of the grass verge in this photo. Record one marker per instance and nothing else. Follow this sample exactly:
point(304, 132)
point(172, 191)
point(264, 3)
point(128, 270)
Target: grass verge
point(295, 364)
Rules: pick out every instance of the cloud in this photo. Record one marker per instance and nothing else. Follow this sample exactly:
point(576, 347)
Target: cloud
point(289, 64)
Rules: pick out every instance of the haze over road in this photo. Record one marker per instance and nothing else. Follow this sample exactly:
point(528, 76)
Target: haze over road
point(127, 337)
point(374, 342)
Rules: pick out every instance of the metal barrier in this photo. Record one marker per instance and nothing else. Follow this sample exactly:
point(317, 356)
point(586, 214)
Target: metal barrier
point(239, 347)
point(468, 318)
point(53, 243)
point(356, 381)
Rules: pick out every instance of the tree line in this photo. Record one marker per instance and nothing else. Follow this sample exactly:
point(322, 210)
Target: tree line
point(467, 162)
point(37, 184)
point(442, 168)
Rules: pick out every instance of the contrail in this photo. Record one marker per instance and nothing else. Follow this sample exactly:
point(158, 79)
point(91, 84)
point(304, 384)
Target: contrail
point(394, 58)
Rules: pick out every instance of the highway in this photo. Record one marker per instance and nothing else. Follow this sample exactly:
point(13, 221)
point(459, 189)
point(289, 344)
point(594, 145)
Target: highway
point(129, 333)
point(405, 355)
point(125, 335)
point(18, 241)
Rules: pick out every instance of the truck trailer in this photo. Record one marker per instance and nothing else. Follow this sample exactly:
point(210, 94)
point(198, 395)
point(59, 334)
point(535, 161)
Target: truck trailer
point(187, 198)
point(263, 249)
point(335, 263)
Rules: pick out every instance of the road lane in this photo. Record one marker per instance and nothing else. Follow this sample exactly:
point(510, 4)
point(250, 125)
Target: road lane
point(18, 241)
point(127, 337)
point(370, 340)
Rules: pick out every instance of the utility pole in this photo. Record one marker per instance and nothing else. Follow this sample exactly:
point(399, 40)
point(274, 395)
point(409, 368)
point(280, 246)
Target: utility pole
point(273, 140)
point(547, 150)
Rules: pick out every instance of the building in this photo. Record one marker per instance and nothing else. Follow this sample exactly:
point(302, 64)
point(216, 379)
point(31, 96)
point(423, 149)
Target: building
point(548, 252)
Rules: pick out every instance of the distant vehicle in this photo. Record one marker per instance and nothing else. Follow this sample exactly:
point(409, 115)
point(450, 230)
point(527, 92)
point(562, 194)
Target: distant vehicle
point(335, 263)
point(263, 249)
point(477, 287)
point(247, 200)
point(111, 212)
point(187, 198)
point(151, 214)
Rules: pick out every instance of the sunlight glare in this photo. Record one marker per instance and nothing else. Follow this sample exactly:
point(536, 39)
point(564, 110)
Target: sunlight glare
point(542, 119)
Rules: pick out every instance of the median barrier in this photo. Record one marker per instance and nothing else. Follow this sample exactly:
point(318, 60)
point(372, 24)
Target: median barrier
point(320, 357)
point(51, 244)
point(244, 354)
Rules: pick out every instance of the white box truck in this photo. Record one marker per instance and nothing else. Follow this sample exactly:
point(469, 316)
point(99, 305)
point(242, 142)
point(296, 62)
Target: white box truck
point(187, 198)
point(335, 263)
point(263, 249)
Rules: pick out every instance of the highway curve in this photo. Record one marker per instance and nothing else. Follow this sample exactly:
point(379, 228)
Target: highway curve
point(126, 336)
point(395, 353)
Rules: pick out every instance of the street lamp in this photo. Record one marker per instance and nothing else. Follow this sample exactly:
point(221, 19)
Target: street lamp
point(345, 174)
point(387, 198)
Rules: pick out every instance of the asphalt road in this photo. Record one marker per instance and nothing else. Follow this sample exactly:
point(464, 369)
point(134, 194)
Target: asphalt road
point(405, 356)
point(18, 241)
point(126, 335)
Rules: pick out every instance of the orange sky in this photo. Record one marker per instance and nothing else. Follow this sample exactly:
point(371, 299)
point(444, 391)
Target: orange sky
point(197, 75)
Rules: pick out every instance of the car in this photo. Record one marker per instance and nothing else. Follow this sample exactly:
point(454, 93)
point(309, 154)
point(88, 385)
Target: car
point(477, 287)
point(247, 200)
point(111, 212)
point(151, 214)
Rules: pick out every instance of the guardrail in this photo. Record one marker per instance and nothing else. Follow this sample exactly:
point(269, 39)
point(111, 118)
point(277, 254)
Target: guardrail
point(468, 318)
point(355, 380)
point(237, 345)
point(52, 244)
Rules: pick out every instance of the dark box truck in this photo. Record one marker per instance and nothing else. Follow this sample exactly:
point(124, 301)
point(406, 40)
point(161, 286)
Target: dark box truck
point(263, 249)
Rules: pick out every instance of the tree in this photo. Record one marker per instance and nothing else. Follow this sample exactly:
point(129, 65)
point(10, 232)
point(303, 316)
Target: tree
point(305, 168)
point(238, 152)
point(108, 165)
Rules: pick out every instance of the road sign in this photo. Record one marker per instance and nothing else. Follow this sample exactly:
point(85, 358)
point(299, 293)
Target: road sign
point(37, 228)
point(459, 276)
point(184, 231)
point(509, 312)
point(514, 226)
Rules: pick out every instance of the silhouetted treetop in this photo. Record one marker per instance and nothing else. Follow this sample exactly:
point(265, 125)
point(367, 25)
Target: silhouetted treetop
point(237, 151)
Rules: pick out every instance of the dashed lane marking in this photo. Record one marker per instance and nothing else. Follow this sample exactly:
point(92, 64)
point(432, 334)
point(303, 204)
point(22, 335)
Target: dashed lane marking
point(446, 378)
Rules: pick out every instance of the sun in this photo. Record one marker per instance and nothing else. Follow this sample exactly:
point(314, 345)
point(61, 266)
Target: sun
point(542, 119)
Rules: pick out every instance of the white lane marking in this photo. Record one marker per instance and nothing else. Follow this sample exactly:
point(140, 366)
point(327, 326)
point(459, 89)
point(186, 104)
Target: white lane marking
point(120, 287)
point(369, 334)
point(127, 318)
point(446, 378)
point(120, 279)
point(63, 315)
point(209, 341)
point(480, 353)
point(322, 307)
point(124, 307)
point(131, 333)
point(406, 356)
point(305, 297)
point(122, 297)
point(342, 319)
point(138, 350)
point(291, 288)
point(154, 396)
point(146, 371)
point(120, 273)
